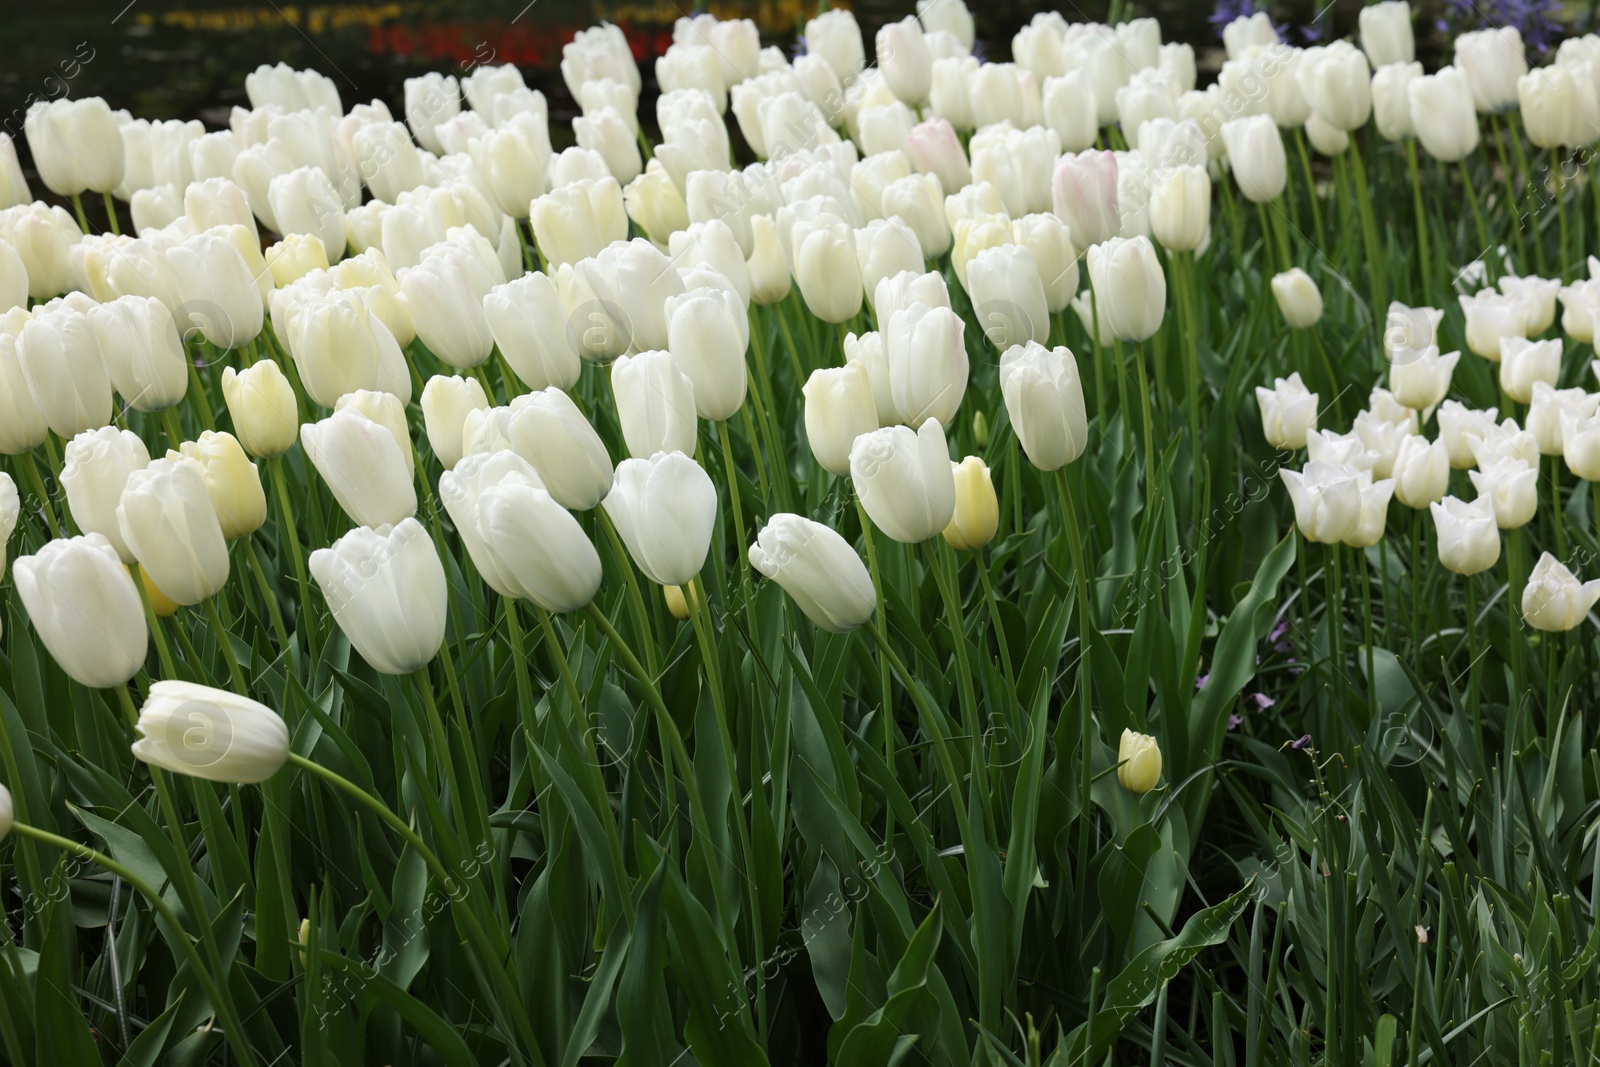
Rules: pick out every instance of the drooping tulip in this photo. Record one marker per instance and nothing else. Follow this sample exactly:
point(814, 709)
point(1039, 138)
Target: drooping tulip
point(210, 733)
point(170, 526)
point(386, 589)
point(664, 509)
point(818, 569)
point(85, 609)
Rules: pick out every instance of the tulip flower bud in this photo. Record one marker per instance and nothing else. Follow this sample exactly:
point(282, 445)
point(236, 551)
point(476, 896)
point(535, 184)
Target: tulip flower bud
point(1421, 378)
point(304, 200)
point(1580, 444)
point(1326, 140)
point(10, 511)
point(1386, 32)
point(1410, 328)
point(1421, 471)
point(1327, 500)
point(977, 513)
point(1580, 304)
point(445, 294)
point(1130, 286)
point(547, 429)
point(1469, 541)
point(926, 363)
point(1545, 411)
point(460, 490)
point(631, 282)
point(1457, 423)
point(1492, 61)
point(1288, 410)
point(1442, 112)
point(903, 479)
point(296, 256)
point(1538, 296)
point(76, 145)
point(537, 547)
point(1513, 486)
point(529, 322)
point(900, 291)
point(44, 239)
point(1138, 762)
point(1070, 109)
point(578, 220)
point(767, 267)
point(905, 61)
point(386, 589)
point(839, 408)
point(1524, 362)
point(13, 279)
point(664, 509)
point(935, 149)
point(1050, 241)
point(1256, 155)
point(431, 100)
point(144, 356)
point(22, 427)
point(340, 347)
point(85, 609)
point(1337, 83)
point(7, 817)
point(169, 524)
point(98, 463)
point(218, 288)
point(1084, 191)
point(60, 357)
point(1180, 208)
point(948, 16)
point(1374, 512)
point(1298, 298)
point(364, 466)
point(826, 268)
point(1492, 317)
point(835, 36)
point(655, 404)
point(974, 235)
point(1391, 100)
point(818, 569)
point(1381, 438)
point(1008, 296)
point(261, 403)
point(1554, 600)
point(232, 482)
point(708, 332)
point(446, 402)
point(884, 248)
point(916, 199)
point(210, 733)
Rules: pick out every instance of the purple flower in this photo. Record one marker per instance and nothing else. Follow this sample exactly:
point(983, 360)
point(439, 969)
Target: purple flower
point(1301, 742)
point(1263, 702)
point(1234, 721)
point(1228, 10)
point(1200, 682)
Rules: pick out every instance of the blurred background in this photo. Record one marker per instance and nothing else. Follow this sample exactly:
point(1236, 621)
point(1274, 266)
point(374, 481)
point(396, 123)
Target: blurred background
point(164, 59)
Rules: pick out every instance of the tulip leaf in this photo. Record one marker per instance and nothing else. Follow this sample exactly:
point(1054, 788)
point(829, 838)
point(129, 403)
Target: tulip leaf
point(439, 1034)
point(879, 1039)
point(61, 1034)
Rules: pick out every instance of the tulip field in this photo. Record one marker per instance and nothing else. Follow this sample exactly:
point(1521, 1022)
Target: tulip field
point(862, 555)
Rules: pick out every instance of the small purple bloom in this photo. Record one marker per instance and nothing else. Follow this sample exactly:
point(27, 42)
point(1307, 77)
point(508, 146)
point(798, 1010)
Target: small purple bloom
point(1234, 721)
point(1200, 682)
point(1263, 701)
point(1301, 742)
point(1228, 10)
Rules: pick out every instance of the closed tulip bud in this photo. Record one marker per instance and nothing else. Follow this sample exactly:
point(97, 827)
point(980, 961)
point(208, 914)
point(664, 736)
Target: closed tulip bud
point(884, 248)
point(364, 467)
point(232, 481)
point(98, 463)
point(1374, 512)
point(1513, 485)
point(1019, 163)
point(607, 132)
point(708, 333)
point(169, 524)
point(1180, 208)
point(1538, 296)
point(1391, 99)
point(430, 100)
point(387, 411)
point(839, 407)
point(530, 323)
point(1506, 441)
point(903, 479)
point(296, 256)
point(905, 61)
point(85, 608)
point(1071, 111)
point(1442, 112)
point(1458, 423)
point(1580, 304)
point(1326, 140)
point(210, 733)
point(515, 164)
point(1298, 298)
point(885, 128)
point(144, 356)
point(1493, 61)
point(22, 427)
point(1130, 287)
point(446, 402)
point(818, 569)
point(1288, 411)
point(1008, 296)
point(655, 404)
point(977, 514)
point(664, 509)
point(1524, 362)
point(547, 429)
point(339, 347)
point(1337, 83)
point(598, 52)
point(1421, 378)
point(1327, 500)
point(386, 589)
point(1410, 328)
point(537, 547)
point(1421, 471)
point(631, 282)
point(1256, 155)
point(218, 288)
point(916, 199)
point(10, 511)
point(1085, 196)
point(1138, 762)
point(901, 290)
point(1386, 33)
point(1545, 411)
point(1469, 540)
point(261, 403)
point(826, 269)
point(925, 358)
point(1380, 438)
point(76, 145)
point(1580, 444)
point(60, 357)
point(1554, 600)
point(835, 36)
point(948, 16)
point(767, 266)
point(974, 235)
point(578, 220)
point(1492, 317)
point(44, 238)
point(712, 244)
point(386, 159)
point(445, 294)
point(305, 200)
point(291, 90)
point(935, 149)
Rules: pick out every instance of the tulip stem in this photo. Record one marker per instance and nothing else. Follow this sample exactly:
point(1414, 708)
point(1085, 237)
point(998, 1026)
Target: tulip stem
point(1369, 226)
point(1473, 702)
point(1416, 582)
point(1085, 697)
point(889, 729)
point(1422, 217)
point(30, 468)
point(225, 643)
point(641, 617)
point(1527, 186)
point(766, 401)
point(794, 350)
point(1182, 263)
point(169, 423)
point(1366, 634)
point(1477, 218)
point(111, 214)
point(994, 617)
point(1560, 193)
point(1555, 506)
point(1516, 633)
point(1311, 183)
point(267, 594)
point(288, 532)
point(516, 1017)
point(446, 758)
point(163, 650)
point(732, 473)
point(234, 1030)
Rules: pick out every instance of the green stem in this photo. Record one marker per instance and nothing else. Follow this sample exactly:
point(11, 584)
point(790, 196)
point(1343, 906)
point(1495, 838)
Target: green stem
point(83, 220)
point(1311, 184)
point(1369, 226)
point(1422, 216)
point(994, 619)
point(111, 214)
point(30, 469)
point(268, 595)
point(289, 533)
point(225, 643)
